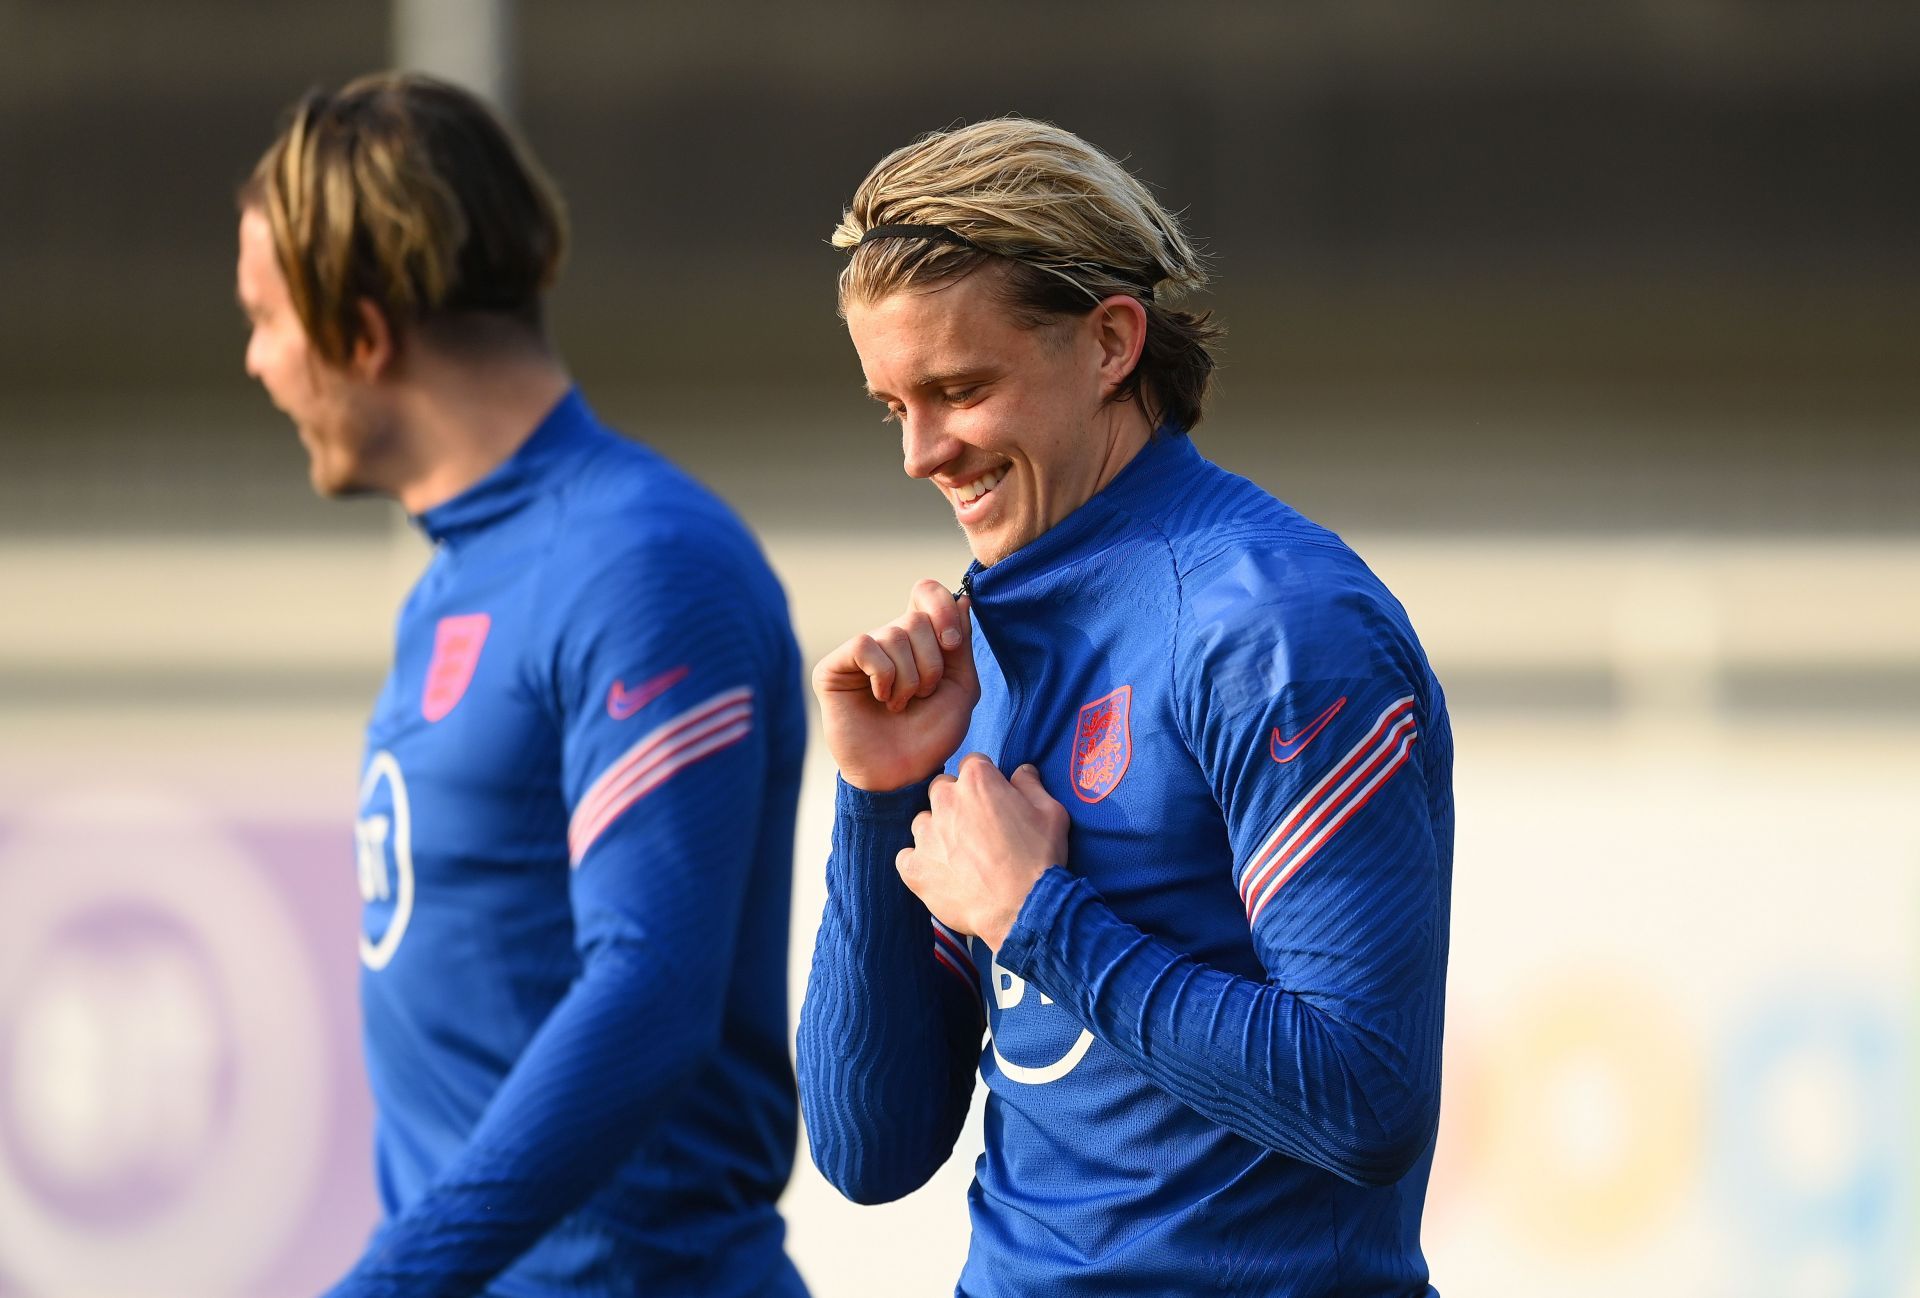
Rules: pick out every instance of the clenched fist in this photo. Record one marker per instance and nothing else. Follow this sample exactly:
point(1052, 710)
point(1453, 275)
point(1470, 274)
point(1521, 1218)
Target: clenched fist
point(895, 702)
point(977, 854)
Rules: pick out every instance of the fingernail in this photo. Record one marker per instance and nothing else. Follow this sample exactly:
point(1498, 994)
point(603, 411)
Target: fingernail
point(950, 638)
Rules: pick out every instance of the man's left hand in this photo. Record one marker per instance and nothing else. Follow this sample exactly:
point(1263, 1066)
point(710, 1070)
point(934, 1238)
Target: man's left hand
point(977, 854)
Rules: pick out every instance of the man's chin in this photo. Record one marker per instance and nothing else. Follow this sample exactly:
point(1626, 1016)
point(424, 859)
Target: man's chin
point(345, 491)
point(989, 545)
point(332, 484)
point(323, 483)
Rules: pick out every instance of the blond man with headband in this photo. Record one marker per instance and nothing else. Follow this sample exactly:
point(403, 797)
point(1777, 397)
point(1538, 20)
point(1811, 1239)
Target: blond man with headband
point(1160, 806)
point(577, 801)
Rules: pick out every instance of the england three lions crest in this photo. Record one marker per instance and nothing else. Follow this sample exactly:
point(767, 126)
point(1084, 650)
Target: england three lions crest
point(1102, 745)
point(456, 652)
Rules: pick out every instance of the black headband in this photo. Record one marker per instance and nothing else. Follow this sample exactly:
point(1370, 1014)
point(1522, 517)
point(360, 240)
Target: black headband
point(945, 234)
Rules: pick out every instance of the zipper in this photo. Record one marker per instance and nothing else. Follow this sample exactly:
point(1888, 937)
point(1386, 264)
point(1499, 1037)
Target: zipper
point(1016, 693)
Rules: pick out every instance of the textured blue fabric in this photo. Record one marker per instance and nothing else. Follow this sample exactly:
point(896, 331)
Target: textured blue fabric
point(1214, 1030)
point(575, 835)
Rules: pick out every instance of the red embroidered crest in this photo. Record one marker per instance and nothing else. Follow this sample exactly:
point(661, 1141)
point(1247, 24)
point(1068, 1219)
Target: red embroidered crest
point(456, 652)
point(1102, 745)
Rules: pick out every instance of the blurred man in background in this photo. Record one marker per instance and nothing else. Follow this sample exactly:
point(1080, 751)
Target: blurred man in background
point(577, 806)
point(1212, 980)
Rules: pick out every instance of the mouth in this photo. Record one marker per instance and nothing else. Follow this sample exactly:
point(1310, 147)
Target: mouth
point(970, 498)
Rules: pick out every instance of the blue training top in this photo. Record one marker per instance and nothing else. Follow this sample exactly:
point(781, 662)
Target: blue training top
point(575, 846)
point(1213, 1033)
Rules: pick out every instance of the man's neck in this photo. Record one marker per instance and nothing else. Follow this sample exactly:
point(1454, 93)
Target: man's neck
point(1127, 434)
point(464, 419)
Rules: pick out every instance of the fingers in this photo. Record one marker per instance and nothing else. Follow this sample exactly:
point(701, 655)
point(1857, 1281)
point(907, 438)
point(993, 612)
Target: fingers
point(909, 657)
point(841, 670)
point(901, 663)
point(953, 624)
point(897, 640)
point(903, 660)
point(976, 774)
point(908, 868)
point(939, 798)
point(917, 869)
point(1026, 781)
point(948, 617)
point(960, 657)
point(979, 778)
point(1053, 816)
point(928, 661)
point(875, 663)
point(976, 769)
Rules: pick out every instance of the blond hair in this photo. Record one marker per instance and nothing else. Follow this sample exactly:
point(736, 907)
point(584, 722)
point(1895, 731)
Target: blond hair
point(410, 193)
point(1069, 227)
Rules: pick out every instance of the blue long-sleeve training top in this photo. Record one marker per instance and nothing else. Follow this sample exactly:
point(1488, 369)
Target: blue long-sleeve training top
point(574, 842)
point(1212, 1037)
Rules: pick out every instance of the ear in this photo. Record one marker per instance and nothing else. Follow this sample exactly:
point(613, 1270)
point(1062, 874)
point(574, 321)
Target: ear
point(376, 349)
point(1120, 330)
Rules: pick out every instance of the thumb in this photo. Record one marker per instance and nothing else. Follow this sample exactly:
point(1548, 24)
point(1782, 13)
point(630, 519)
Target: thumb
point(959, 660)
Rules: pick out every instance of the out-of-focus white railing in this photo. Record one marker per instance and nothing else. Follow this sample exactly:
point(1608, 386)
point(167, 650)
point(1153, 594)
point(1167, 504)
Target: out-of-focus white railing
point(1661, 620)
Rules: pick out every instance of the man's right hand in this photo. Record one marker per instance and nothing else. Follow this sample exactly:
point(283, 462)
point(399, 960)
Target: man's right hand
point(895, 703)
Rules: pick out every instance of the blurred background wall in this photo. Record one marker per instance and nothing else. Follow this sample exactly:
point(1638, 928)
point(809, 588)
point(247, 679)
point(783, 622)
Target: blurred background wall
point(1593, 326)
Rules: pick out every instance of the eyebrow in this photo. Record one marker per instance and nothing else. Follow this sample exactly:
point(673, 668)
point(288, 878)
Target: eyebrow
point(937, 379)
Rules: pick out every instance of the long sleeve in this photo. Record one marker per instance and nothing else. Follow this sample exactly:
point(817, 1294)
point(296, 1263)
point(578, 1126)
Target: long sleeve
point(661, 685)
point(1341, 824)
point(571, 1110)
point(890, 1031)
point(1279, 1067)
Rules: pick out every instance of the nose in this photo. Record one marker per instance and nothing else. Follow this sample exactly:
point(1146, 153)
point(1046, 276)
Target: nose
point(925, 444)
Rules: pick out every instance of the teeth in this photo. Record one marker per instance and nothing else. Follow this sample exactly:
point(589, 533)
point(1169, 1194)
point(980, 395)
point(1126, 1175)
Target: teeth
point(979, 486)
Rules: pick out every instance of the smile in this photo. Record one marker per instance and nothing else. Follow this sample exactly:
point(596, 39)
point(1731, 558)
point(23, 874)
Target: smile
point(980, 486)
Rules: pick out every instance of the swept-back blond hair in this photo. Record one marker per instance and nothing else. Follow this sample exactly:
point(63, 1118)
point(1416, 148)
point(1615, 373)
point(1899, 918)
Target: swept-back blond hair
point(410, 193)
point(1069, 227)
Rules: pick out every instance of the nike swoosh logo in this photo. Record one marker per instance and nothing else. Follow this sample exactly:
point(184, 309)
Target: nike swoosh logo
point(623, 702)
point(1285, 750)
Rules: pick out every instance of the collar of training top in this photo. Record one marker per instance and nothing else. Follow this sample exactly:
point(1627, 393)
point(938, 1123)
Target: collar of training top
point(525, 475)
point(1168, 456)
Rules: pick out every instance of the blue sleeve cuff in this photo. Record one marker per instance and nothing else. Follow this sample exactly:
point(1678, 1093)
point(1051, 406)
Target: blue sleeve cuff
point(1033, 942)
point(903, 803)
point(869, 829)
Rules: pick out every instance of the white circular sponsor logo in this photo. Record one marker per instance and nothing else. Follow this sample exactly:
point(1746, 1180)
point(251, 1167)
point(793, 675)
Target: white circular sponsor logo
point(1009, 990)
point(163, 1094)
point(383, 834)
